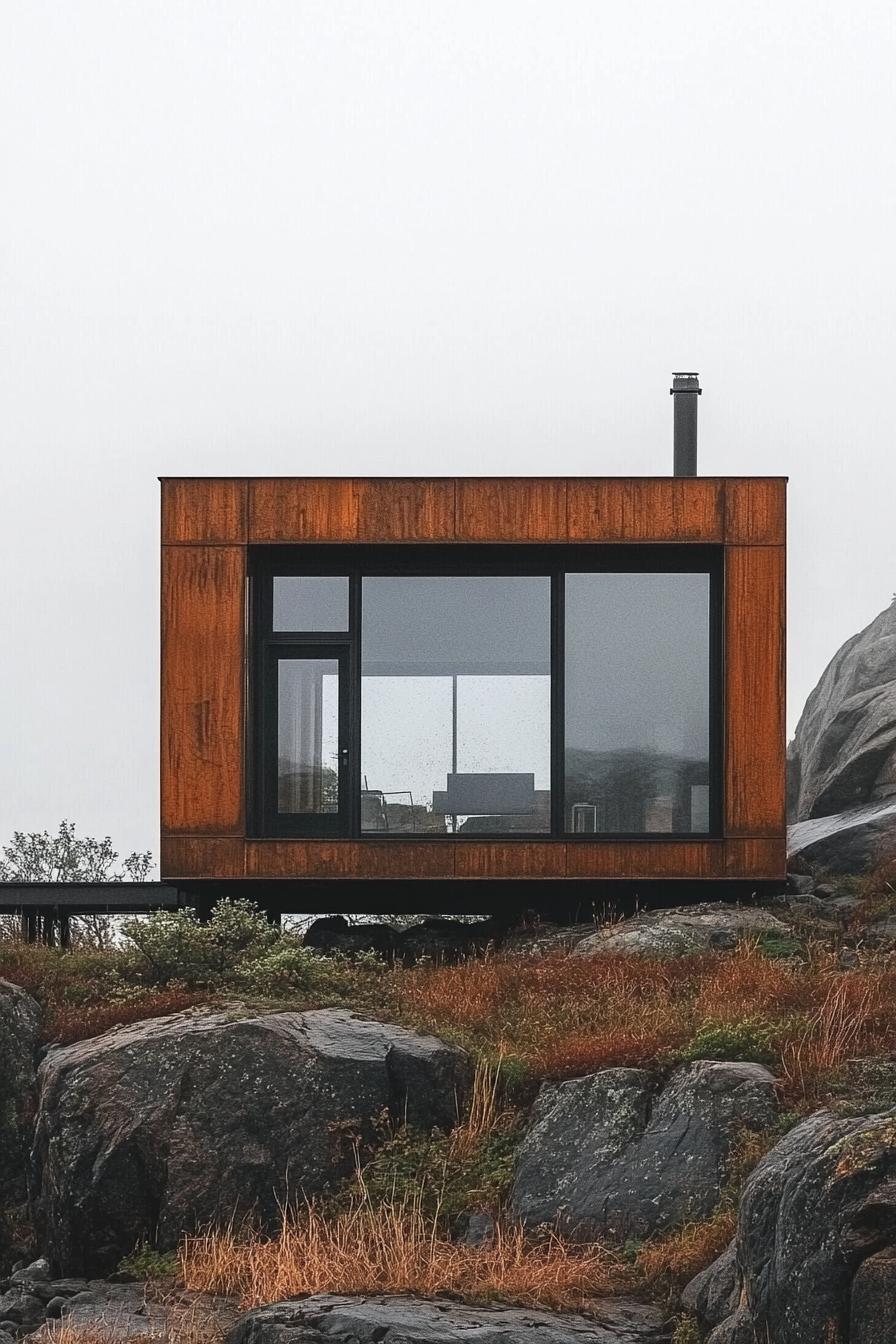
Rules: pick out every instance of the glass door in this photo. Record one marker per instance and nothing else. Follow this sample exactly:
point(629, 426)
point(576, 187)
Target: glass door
point(306, 792)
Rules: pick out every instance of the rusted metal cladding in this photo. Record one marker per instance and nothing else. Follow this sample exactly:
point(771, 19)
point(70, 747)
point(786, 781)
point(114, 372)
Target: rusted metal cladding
point(208, 525)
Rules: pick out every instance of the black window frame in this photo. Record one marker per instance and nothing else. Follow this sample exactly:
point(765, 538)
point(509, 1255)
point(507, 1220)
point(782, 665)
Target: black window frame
point(311, 825)
point(453, 560)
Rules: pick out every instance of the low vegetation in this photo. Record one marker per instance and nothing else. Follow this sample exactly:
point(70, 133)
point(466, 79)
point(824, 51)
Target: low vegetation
point(824, 1029)
point(397, 1246)
point(394, 1247)
point(536, 1017)
point(396, 1230)
point(559, 1016)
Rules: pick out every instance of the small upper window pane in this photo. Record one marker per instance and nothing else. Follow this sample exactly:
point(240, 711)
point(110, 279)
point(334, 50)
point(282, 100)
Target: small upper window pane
point(310, 602)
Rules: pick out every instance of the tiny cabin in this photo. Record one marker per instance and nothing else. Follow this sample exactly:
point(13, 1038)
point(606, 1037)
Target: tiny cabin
point(471, 693)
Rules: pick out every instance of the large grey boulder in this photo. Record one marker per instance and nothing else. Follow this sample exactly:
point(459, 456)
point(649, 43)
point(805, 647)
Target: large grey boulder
point(813, 1212)
point(844, 750)
point(711, 926)
point(615, 1155)
point(847, 842)
point(19, 1029)
point(391, 1319)
point(153, 1129)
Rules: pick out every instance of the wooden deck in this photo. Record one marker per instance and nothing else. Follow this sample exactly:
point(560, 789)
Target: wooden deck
point(45, 908)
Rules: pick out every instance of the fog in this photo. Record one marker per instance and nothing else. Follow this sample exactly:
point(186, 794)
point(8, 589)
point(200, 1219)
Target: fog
point(418, 238)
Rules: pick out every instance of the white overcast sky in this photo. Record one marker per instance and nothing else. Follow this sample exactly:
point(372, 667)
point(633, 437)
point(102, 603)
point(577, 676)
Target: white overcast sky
point(418, 238)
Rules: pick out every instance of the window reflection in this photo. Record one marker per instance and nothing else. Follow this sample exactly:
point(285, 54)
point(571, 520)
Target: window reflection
point(455, 705)
point(307, 735)
point(637, 703)
point(305, 602)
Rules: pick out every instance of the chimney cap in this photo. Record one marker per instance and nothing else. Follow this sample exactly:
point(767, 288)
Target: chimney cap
point(685, 382)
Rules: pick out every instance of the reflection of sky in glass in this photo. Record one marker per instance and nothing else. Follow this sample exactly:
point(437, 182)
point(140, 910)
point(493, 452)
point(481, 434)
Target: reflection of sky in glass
point(506, 725)
point(310, 602)
point(485, 637)
point(330, 722)
point(637, 662)
point(406, 741)
point(503, 725)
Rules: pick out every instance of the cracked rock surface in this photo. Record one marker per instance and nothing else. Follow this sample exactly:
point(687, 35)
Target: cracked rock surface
point(616, 1154)
point(33, 1305)
point(153, 1129)
point(407, 1320)
point(710, 926)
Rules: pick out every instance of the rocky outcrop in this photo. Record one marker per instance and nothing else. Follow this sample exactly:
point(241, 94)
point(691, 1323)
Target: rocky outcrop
point(844, 750)
point(872, 1305)
point(686, 929)
point(19, 1027)
point(408, 1320)
point(444, 940)
point(432, 939)
point(33, 1306)
point(714, 1294)
point(152, 1129)
point(615, 1155)
point(815, 1219)
point(847, 842)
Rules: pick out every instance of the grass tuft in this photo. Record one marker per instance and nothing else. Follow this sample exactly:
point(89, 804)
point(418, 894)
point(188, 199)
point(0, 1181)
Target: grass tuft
point(398, 1248)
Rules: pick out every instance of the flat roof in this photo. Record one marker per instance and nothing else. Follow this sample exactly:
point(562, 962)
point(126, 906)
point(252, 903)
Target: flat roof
point(305, 476)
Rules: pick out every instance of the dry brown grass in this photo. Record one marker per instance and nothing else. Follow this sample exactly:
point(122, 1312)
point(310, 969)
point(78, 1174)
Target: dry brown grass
point(552, 1015)
point(184, 1328)
point(485, 1115)
point(59, 1333)
point(65, 1022)
point(854, 1019)
point(558, 1016)
point(395, 1248)
point(670, 1262)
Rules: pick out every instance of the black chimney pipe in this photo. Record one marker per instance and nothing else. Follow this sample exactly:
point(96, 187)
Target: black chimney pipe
point(685, 389)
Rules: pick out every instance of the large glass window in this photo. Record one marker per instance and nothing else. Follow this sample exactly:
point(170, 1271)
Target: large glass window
point(455, 704)
point(572, 694)
point(637, 665)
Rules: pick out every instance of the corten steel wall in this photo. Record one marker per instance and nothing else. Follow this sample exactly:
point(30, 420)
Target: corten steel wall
point(207, 526)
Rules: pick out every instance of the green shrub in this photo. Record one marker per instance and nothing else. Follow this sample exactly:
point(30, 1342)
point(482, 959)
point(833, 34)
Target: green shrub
point(780, 946)
point(169, 945)
point(517, 1081)
point(288, 968)
point(144, 1262)
point(176, 945)
point(416, 1165)
point(753, 1039)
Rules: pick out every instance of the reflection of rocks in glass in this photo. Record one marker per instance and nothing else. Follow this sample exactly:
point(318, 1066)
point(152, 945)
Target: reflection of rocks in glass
point(636, 792)
point(414, 818)
point(379, 813)
point(307, 789)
